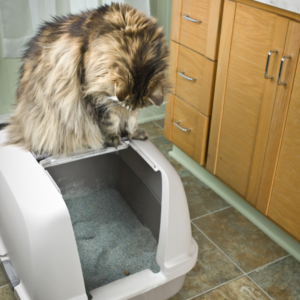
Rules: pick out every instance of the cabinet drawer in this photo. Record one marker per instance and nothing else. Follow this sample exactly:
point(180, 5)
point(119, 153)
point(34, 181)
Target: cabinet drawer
point(198, 88)
point(195, 24)
point(193, 141)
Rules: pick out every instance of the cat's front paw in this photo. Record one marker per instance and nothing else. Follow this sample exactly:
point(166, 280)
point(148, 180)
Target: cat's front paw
point(140, 134)
point(113, 140)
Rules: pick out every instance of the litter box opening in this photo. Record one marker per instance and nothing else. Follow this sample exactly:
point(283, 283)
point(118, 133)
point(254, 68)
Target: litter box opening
point(124, 180)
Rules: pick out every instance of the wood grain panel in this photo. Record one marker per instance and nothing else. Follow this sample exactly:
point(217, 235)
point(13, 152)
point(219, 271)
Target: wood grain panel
point(255, 19)
point(250, 52)
point(241, 114)
point(232, 180)
point(173, 64)
point(246, 84)
point(239, 142)
point(175, 20)
point(288, 175)
point(240, 128)
point(296, 90)
point(291, 196)
point(198, 93)
point(194, 141)
point(247, 68)
point(243, 99)
point(237, 162)
point(294, 111)
point(214, 28)
point(289, 160)
point(247, 35)
point(292, 143)
point(297, 83)
point(168, 117)
point(221, 81)
point(281, 27)
point(277, 213)
point(292, 126)
point(280, 111)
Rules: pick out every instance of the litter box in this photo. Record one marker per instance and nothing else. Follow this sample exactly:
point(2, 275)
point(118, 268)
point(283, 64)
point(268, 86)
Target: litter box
point(110, 224)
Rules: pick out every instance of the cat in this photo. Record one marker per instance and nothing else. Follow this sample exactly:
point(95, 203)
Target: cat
point(84, 79)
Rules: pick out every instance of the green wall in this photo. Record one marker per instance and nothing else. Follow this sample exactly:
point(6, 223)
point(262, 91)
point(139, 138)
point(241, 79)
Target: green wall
point(8, 81)
point(9, 67)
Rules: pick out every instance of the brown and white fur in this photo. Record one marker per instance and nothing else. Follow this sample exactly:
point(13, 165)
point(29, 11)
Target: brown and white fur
point(84, 79)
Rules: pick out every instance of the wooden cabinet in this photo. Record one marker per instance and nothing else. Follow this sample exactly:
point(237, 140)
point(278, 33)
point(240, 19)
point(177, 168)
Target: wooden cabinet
point(253, 119)
point(194, 48)
point(279, 193)
point(244, 97)
point(252, 144)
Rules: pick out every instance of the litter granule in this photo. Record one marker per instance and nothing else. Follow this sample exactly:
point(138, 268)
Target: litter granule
point(110, 238)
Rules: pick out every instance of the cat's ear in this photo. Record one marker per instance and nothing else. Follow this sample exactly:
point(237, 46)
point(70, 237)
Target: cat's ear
point(157, 96)
point(121, 90)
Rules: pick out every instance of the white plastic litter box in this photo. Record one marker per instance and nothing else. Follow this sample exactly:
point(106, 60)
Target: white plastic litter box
point(42, 251)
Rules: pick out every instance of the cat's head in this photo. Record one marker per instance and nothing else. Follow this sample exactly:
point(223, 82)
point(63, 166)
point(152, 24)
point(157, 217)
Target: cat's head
point(128, 64)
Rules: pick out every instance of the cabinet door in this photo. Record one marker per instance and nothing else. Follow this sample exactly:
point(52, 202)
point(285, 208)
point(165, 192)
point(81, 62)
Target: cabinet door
point(279, 194)
point(244, 98)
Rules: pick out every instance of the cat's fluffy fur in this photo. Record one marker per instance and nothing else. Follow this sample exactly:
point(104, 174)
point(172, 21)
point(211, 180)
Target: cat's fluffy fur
point(84, 79)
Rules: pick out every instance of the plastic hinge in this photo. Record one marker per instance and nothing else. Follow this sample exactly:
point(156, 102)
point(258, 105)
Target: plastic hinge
point(10, 274)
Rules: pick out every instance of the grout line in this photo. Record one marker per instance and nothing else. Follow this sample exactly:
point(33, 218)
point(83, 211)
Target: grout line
point(259, 287)
point(3, 286)
point(219, 248)
point(245, 274)
point(211, 213)
point(158, 124)
point(216, 287)
point(270, 263)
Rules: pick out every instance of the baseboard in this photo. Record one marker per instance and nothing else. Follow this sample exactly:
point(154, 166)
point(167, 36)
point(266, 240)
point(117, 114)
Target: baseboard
point(4, 118)
point(258, 219)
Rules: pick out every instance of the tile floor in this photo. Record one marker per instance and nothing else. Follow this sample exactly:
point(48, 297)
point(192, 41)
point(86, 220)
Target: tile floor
point(236, 260)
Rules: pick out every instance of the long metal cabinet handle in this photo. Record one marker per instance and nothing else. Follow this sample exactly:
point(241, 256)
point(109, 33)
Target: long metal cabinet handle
point(186, 77)
point(190, 19)
point(176, 123)
point(267, 64)
point(280, 69)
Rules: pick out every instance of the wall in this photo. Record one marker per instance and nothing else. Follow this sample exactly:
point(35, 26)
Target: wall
point(9, 68)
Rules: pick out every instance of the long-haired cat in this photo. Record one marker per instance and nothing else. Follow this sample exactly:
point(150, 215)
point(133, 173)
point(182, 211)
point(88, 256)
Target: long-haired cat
point(84, 79)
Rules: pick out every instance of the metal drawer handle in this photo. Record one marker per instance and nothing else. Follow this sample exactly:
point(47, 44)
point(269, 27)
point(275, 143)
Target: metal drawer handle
point(184, 76)
point(190, 19)
point(267, 64)
point(280, 69)
point(182, 129)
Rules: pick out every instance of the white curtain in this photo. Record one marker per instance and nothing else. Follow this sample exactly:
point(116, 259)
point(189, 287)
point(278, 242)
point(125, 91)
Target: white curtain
point(20, 19)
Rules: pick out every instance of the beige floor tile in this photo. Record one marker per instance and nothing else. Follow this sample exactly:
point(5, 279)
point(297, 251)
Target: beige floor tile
point(2, 278)
point(201, 199)
point(212, 269)
point(6, 293)
point(240, 239)
point(281, 280)
point(239, 289)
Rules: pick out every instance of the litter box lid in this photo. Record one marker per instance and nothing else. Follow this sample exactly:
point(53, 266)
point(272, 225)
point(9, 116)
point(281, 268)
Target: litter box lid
point(36, 229)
